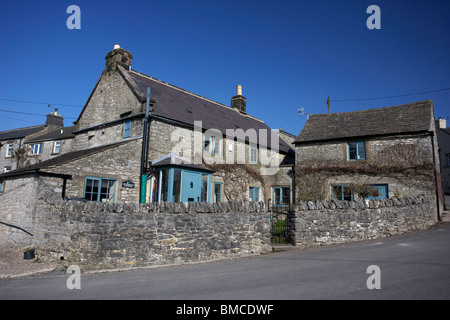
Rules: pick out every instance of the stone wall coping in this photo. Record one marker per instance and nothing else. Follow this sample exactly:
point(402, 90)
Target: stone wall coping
point(76, 206)
point(324, 205)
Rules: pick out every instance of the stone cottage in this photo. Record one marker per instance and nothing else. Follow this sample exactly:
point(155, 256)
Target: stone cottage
point(443, 133)
point(25, 146)
point(139, 139)
point(370, 154)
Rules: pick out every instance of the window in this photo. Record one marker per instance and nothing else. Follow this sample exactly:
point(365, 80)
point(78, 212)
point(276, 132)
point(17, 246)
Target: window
point(7, 169)
point(281, 196)
point(341, 192)
point(204, 191)
point(253, 155)
point(380, 191)
point(36, 149)
point(2, 186)
point(9, 150)
point(127, 129)
point(100, 190)
point(217, 192)
point(253, 194)
point(212, 145)
point(56, 146)
point(356, 150)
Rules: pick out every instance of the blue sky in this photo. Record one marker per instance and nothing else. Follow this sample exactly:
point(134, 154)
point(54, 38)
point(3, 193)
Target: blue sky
point(285, 54)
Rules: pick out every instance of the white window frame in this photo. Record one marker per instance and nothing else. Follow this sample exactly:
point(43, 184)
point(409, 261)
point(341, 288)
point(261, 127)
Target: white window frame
point(57, 144)
point(9, 150)
point(35, 149)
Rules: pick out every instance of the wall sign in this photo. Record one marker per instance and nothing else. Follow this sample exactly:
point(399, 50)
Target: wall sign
point(128, 184)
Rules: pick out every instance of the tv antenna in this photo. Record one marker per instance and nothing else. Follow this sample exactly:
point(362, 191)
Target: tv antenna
point(301, 111)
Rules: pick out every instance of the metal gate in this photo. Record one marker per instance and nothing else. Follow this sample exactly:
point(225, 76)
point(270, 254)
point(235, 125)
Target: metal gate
point(281, 224)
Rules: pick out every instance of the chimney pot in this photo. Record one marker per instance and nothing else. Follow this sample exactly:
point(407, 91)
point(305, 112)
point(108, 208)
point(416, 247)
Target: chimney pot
point(116, 46)
point(239, 90)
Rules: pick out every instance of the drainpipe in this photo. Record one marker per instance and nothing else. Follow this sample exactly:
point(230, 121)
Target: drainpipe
point(144, 156)
point(436, 178)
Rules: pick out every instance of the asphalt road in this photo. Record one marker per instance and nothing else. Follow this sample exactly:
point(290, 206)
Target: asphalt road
point(412, 266)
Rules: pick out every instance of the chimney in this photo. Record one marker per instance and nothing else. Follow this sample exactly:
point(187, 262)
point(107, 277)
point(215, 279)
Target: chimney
point(116, 57)
point(55, 119)
point(238, 101)
point(442, 123)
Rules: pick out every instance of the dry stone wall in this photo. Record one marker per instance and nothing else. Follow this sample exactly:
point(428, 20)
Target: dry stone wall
point(330, 222)
point(106, 235)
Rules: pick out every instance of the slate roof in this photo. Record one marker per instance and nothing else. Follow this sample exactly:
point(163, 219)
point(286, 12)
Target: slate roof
point(408, 118)
point(20, 133)
point(62, 159)
point(58, 134)
point(174, 160)
point(183, 106)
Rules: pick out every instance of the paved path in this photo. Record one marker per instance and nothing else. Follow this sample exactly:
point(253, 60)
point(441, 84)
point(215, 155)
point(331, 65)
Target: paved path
point(413, 266)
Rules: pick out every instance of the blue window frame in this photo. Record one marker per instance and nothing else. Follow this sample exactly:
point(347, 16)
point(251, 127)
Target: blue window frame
point(341, 192)
point(281, 196)
point(212, 145)
point(356, 150)
point(100, 189)
point(253, 194)
point(380, 191)
point(127, 129)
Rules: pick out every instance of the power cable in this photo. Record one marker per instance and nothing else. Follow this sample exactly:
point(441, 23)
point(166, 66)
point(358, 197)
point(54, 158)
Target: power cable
point(46, 103)
point(388, 97)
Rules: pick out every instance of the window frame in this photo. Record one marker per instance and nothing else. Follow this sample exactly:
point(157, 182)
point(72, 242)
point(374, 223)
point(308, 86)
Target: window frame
point(56, 144)
point(9, 150)
point(32, 149)
point(253, 192)
point(220, 184)
point(2, 186)
point(99, 193)
point(282, 195)
point(343, 194)
point(357, 150)
point(254, 148)
point(214, 146)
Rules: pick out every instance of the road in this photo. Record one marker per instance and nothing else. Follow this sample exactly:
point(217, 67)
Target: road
point(412, 266)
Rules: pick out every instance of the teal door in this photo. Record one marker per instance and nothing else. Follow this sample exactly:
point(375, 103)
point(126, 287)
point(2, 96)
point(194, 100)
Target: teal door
point(191, 187)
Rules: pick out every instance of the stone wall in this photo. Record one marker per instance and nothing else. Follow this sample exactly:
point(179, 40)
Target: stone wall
point(330, 222)
point(120, 235)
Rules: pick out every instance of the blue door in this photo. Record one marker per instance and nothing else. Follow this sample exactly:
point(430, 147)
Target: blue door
point(191, 187)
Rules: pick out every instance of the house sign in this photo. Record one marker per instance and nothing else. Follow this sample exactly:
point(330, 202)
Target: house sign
point(128, 184)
